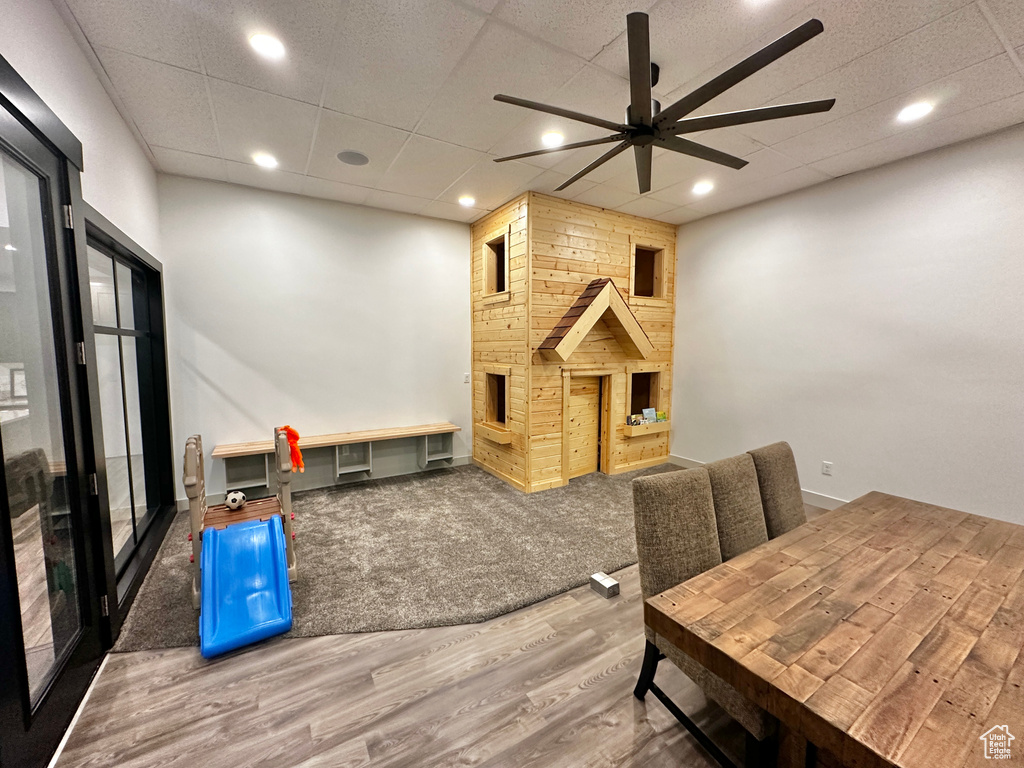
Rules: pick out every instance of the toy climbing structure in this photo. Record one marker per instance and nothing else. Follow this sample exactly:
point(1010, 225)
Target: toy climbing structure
point(243, 560)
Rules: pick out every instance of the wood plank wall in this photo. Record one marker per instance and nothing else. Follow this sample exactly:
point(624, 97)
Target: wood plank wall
point(556, 247)
point(570, 245)
point(500, 341)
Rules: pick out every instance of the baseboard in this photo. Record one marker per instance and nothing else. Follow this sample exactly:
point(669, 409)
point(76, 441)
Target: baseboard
point(810, 497)
point(685, 463)
point(821, 500)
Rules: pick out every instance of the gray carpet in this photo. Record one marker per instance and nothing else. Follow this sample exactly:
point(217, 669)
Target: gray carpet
point(450, 546)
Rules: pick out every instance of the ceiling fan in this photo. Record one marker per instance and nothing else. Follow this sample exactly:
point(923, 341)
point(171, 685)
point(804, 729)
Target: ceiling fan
point(648, 126)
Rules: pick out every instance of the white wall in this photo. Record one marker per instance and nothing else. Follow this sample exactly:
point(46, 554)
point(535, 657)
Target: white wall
point(118, 180)
point(875, 321)
point(290, 310)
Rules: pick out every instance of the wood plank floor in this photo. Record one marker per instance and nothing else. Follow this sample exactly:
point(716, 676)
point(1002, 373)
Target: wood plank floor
point(549, 685)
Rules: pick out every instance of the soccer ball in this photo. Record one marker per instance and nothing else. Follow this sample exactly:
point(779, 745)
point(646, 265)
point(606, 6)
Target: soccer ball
point(234, 500)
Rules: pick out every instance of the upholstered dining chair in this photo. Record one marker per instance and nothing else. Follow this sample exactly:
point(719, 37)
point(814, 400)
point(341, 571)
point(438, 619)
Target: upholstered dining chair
point(677, 539)
point(738, 513)
point(779, 486)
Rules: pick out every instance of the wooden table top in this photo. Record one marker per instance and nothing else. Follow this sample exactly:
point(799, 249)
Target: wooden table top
point(887, 631)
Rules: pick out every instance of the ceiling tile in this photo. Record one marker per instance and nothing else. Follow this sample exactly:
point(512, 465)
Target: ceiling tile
point(763, 164)
point(168, 105)
point(761, 190)
point(162, 30)
point(549, 180)
point(254, 176)
point(306, 28)
point(681, 216)
point(991, 80)
point(426, 167)
point(500, 61)
point(965, 125)
point(452, 211)
point(1009, 16)
point(690, 36)
point(491, 184)
point(334, 190)
point(937, 50)
point(433, 66)
point(484, 5)
point(393, 56)
point(620, 164)
point(645, 206)
point(559, 23)
point(853, 28)
point(591, 91)
point(254, 121)
point(180, 163)
point(336, 132)
point(394, 201)
point(604, 196)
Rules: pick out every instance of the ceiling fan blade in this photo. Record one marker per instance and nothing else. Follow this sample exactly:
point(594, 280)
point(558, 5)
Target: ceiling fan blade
point(578, 116)
point(577, 145)
point(642, 155)
point(639, 41)
point(600, 161)
point(692, 124)
point(739, 72)
point(693, 149)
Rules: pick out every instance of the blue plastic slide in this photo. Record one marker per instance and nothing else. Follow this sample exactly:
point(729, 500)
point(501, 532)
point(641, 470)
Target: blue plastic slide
point(246, 597)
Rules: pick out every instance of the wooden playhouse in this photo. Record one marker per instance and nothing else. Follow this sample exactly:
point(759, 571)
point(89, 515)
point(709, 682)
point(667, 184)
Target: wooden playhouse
point(573, 309)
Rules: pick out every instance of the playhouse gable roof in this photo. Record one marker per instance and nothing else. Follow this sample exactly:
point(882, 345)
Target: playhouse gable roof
point(600, 299)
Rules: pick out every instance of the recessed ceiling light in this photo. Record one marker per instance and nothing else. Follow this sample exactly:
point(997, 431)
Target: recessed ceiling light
point(914, 112)
point(263, 160)
point(467, 200)
point(9, 247)
point(351, 157)
point(267, 46)
point(552, 139)
point(702, 187)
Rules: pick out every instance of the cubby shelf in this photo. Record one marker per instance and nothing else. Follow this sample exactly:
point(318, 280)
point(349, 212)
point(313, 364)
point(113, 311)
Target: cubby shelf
point(435, 448)
point(247, 472)
point(353, 457)
point(654, 427)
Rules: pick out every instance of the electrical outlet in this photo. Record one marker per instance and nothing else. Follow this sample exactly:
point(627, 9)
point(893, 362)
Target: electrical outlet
point(465, 379)
point(826, 468)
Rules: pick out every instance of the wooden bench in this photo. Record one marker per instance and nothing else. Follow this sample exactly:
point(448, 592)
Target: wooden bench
point(353, 450)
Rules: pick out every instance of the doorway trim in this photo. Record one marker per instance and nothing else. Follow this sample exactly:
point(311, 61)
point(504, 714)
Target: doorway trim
point(610, 378)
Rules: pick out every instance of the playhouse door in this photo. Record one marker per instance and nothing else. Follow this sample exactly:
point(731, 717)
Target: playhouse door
point(584, 425)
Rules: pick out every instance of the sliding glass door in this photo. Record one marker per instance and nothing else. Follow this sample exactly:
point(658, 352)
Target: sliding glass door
point(32, 431)
point(124, 366)
point(49, 639)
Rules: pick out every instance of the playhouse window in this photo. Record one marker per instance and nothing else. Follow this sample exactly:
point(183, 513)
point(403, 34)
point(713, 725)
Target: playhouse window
point(648, 276)
point(496, 265)
point(644, 390)
point(497, 399)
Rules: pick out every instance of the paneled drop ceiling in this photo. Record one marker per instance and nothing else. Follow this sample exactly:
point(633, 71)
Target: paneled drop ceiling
point(409, 84)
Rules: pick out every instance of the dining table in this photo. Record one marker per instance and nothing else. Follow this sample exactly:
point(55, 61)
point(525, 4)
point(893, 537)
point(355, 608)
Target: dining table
point(885, 632)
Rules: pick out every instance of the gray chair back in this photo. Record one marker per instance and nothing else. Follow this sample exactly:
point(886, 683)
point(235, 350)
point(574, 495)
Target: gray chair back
point(676, 535)
point(779, 486)
point(740, 519)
